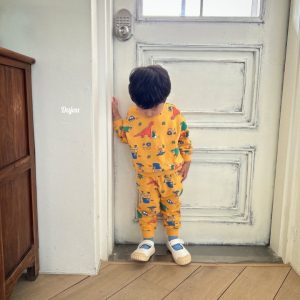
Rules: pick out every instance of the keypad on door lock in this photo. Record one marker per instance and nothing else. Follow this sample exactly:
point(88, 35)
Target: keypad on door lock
point(123, 25)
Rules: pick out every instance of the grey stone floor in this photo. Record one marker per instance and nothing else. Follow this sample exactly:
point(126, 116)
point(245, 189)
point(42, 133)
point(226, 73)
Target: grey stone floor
point(205, 254)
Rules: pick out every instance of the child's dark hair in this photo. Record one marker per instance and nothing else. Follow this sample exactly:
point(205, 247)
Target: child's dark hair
point(149, 86)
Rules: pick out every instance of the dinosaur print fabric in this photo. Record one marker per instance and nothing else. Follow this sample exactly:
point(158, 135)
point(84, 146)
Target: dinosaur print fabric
point(157, 144)
point(159, 192)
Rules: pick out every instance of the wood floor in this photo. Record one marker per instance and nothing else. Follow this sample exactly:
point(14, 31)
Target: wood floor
point(167, 281)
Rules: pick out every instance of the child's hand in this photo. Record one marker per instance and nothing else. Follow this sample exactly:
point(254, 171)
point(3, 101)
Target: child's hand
point(184, 170)
point(115, 109)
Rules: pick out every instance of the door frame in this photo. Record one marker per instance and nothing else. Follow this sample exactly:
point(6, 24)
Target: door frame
point(102, 91)
point(286, 190)
point(288, 143)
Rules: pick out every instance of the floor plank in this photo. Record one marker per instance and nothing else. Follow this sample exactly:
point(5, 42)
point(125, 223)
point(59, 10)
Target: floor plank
point(156, 283)
point(111, 279)
point(44, 287)
point(291, 288)
point(257, 283)
point(167, 281)
point(206, 283)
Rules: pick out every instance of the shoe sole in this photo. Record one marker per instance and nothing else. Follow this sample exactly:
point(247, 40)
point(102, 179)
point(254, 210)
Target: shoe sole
point(182, 261)
point(140, 257)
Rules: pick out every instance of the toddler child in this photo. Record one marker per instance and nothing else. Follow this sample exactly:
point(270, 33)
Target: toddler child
point(161, 150)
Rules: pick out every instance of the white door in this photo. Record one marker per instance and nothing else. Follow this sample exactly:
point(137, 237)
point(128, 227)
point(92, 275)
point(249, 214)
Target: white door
point(226, 75)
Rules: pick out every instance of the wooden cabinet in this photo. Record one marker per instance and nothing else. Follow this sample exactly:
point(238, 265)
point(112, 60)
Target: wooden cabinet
point(18, 207)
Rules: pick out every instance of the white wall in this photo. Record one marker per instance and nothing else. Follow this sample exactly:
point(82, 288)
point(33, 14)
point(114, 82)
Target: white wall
point(58, 35)
point(102, 57)
point(285, 235)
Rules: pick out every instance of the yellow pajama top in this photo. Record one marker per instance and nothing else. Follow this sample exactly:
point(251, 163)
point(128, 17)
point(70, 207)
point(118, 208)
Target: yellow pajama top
point(159, 143)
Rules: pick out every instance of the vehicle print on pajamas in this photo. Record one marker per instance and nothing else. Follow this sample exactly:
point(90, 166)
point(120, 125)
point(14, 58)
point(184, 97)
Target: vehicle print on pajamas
point(147, 146)
point(146, 197)
point(170, 201)
point(168, 182)
point(134, 152)
point(171, 131)
point(156, 167)
point(131, 118)
point(170, 221)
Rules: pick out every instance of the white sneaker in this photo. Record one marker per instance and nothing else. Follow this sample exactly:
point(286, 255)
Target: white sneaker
point(142, 254)
point(182, 256)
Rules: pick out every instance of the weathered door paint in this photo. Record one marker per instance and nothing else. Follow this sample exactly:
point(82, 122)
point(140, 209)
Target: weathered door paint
point(227, 80)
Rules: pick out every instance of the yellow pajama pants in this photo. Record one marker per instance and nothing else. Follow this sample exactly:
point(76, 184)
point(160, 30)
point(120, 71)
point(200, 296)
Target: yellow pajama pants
point(159, 192)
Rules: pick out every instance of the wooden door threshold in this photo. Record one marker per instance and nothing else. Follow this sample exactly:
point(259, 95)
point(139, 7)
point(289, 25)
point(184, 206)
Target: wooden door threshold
point(204, 254)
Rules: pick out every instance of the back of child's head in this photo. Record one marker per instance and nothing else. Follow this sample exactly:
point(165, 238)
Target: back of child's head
point(149, 86)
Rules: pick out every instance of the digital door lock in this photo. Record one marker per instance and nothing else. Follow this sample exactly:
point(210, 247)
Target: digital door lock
point(123, 25)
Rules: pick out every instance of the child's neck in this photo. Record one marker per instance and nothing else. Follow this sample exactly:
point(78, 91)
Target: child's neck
point(151, 112)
